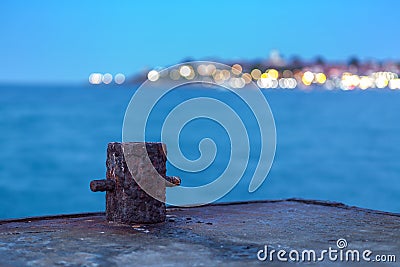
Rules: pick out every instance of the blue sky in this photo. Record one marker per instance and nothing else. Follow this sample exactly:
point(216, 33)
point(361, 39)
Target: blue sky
point(64, 41)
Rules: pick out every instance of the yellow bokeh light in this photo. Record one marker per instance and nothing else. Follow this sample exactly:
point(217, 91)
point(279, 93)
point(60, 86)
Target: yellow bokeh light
point(305, 81)
point(320, 78)
point(236, 69)
point(211, 69)
point(218, 77)
point(246, 77)
point(264, 76)
point(226, 74)
point(256, 74)
point(273, 73)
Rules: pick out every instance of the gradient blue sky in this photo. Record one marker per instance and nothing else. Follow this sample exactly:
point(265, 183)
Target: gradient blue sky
point(64, 41)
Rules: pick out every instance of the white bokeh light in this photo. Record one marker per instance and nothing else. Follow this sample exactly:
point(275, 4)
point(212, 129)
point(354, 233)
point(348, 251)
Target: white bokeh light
point(153, 75)
point(107, 78)
point(119, 78)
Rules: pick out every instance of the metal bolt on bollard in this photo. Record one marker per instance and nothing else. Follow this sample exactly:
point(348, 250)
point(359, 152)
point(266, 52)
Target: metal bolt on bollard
point(126, 201)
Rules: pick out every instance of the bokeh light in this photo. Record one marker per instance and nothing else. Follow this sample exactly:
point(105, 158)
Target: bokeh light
point(320, 78)
point(185, 71)
point(256, 74)
point(237, 69)
point(311, 77)
point(153, 75)
point(119, 78)
point(95, 78)
point(273, 74)
point(174, 75)
point(107, 78)
point(308, 78)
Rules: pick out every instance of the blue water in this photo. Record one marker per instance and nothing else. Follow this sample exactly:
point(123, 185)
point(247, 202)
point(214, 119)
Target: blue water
point(339, 146)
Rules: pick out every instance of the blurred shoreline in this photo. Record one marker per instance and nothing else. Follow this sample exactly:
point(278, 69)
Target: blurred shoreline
point(273, 72)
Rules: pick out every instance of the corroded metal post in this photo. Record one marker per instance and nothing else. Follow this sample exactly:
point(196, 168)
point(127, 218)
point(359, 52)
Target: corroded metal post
point(126, 201)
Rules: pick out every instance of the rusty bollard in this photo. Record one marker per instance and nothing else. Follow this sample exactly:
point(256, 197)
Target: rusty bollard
point(126, 201)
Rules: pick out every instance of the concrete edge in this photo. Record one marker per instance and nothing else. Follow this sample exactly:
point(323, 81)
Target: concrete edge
point(51, 217)
point(342, 206)
point(171, 208)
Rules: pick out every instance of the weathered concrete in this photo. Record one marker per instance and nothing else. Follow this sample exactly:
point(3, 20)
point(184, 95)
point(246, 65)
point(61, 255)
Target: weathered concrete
point(217, 235)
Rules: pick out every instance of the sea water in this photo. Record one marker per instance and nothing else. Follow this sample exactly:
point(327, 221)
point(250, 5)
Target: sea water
point(331, 145)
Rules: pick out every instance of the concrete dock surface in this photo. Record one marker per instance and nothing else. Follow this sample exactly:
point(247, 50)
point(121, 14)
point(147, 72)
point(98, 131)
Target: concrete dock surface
point(234, 234)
